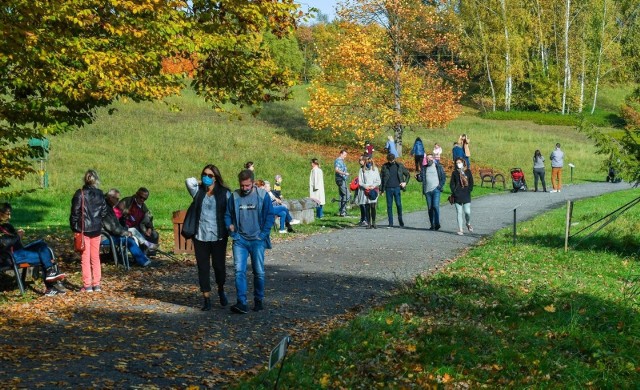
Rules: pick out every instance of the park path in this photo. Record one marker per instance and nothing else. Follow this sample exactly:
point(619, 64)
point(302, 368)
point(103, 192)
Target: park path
point(151, 332)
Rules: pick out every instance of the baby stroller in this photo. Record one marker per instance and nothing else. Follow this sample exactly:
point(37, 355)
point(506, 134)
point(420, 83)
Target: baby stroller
point(517, 177)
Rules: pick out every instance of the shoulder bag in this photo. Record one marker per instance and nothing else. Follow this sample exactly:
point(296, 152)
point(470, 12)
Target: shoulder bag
point(78, 237)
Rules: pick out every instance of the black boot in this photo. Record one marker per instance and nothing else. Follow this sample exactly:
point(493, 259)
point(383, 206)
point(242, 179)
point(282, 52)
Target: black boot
point(400, 221)
point(207, 304)
point(223, 298)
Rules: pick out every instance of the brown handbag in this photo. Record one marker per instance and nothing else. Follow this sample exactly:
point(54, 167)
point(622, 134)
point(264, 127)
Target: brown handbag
point(78, 237)
point(452, 199)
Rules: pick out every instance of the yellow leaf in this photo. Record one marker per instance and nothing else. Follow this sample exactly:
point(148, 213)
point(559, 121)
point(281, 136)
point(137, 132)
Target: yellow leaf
point(389, 320)
point(324, 381)
point(550, 309)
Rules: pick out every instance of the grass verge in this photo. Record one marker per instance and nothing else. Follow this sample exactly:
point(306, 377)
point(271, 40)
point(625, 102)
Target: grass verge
point(499, 316)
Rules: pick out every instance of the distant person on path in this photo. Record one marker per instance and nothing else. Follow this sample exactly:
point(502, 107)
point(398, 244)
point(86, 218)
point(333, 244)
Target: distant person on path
point(369, 180)
point(433, 181)
point(457, 152)
point(417, 151)
point(211, 196)
point(394, 178)
point(359, 194)
point(368, 149)
point(461, 185)
point(437, 152)
point(538, 171)
point(36, 253)
point(557, 162)
point(249, 218)
point(391, 146)
point(111, 225)
point(136, 214)
point(316, 187)
point(342, 175)
point(464, 143)
point(88, 208)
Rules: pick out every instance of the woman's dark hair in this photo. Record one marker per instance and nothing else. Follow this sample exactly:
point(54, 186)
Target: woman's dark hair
point(6, 206)
point(537, 154)
point(418, 139)
point(315, 161)
point(248, 164)
point(216, 174)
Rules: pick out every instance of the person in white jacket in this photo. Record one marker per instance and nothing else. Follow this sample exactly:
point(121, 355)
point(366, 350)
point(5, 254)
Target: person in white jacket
point(316, 187)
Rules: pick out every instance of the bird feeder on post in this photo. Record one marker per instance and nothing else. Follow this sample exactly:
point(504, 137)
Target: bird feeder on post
point(39, 151)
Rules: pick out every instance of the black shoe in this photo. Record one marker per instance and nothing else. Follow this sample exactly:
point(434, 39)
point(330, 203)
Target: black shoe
point(432, 227)
point(290, 230)
point(239, 308)
point(401, 222)
point(223, 298)
point(373, 225)
point(257, 305)
point(437, 227)
point(53, 275)
point(207, 304)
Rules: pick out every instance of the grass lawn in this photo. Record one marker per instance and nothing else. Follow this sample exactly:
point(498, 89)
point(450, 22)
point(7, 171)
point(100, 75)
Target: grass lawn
point(501, 315)
point(158, 145)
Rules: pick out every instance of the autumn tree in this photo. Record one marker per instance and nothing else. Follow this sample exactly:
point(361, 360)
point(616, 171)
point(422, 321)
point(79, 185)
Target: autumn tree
point(623, 151)
point(390, 66)
point(236, 64)
point(60, 60)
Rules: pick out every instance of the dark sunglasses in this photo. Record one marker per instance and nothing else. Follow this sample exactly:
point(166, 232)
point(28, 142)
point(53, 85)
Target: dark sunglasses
point(209, 175)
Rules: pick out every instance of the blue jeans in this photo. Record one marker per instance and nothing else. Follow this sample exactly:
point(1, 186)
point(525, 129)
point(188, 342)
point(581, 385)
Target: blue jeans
point(433, 207)
point(343, 191)
point(35, 254)
point(393, 195)
point(319, 211)
point(242, 249)
point(133, 247)
point(283, 213)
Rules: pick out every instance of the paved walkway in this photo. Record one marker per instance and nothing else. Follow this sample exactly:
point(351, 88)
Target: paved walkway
point(160, 337)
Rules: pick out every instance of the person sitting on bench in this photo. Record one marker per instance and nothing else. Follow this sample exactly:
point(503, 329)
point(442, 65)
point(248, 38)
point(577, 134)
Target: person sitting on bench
point(136, 214)
point(36, 253)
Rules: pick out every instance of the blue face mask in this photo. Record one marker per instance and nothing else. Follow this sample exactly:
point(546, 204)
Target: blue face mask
point(207, 181)
point(369, 165)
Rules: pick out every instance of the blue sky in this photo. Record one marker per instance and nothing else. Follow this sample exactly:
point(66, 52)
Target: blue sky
point(326, 6)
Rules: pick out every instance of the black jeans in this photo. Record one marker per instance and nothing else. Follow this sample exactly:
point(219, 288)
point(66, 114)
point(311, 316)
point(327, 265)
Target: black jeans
point(539, 173)
point(217, 252)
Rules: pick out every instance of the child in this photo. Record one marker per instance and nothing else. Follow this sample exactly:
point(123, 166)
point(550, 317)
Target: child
point(368, 149)
point(277, 187)
point(437, 151)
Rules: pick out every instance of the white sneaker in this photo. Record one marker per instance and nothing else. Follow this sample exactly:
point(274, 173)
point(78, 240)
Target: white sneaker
point(282, 231)
point(152, 246)
point(553, 191)
point(294, 222)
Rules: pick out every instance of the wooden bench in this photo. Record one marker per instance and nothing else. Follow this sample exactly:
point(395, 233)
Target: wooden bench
point(489, 176)
point(180, 244)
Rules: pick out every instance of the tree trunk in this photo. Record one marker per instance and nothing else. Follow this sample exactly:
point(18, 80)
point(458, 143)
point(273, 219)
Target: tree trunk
point(507, 57)
point(486, 64)
point(600, 53)
point(567, 68)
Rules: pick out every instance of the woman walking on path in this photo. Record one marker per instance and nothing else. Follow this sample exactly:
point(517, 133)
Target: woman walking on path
point(538, 170)
point(369, 180)
point(316, 186)
point(418, 153)
point(88, 208)
point(211, 235)
point(461, 185)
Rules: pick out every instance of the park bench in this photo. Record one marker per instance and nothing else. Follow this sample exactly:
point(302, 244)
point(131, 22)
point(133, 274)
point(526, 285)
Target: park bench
point(19, 271)
point(488, 175)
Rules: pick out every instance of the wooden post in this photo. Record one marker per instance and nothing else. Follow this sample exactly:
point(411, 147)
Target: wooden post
point(567, 227)
point(514, 226)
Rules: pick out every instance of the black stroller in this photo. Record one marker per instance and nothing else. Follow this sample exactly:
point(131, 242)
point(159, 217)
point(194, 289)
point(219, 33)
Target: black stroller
point(518, 180)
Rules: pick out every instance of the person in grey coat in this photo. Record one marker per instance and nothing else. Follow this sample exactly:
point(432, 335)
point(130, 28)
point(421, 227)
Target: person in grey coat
point(557, 162)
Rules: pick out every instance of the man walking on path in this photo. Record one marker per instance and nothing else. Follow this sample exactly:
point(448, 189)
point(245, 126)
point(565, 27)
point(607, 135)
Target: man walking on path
point(433, 181)
point(340, 167)
point(394, 177)
point(557, 162)
point(249, 219)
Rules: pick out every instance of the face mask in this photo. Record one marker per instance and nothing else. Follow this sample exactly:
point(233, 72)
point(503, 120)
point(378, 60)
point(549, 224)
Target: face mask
point(429, 163)
point(207, 181)
point(459, 165)
point(369, 165)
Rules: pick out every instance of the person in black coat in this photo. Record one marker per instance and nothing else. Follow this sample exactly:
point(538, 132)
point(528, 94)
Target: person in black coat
point(461, 185)
point(88, 209)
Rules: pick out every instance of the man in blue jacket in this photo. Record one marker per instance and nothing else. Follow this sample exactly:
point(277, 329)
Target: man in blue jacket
point(433, 181)
point(249, 219)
